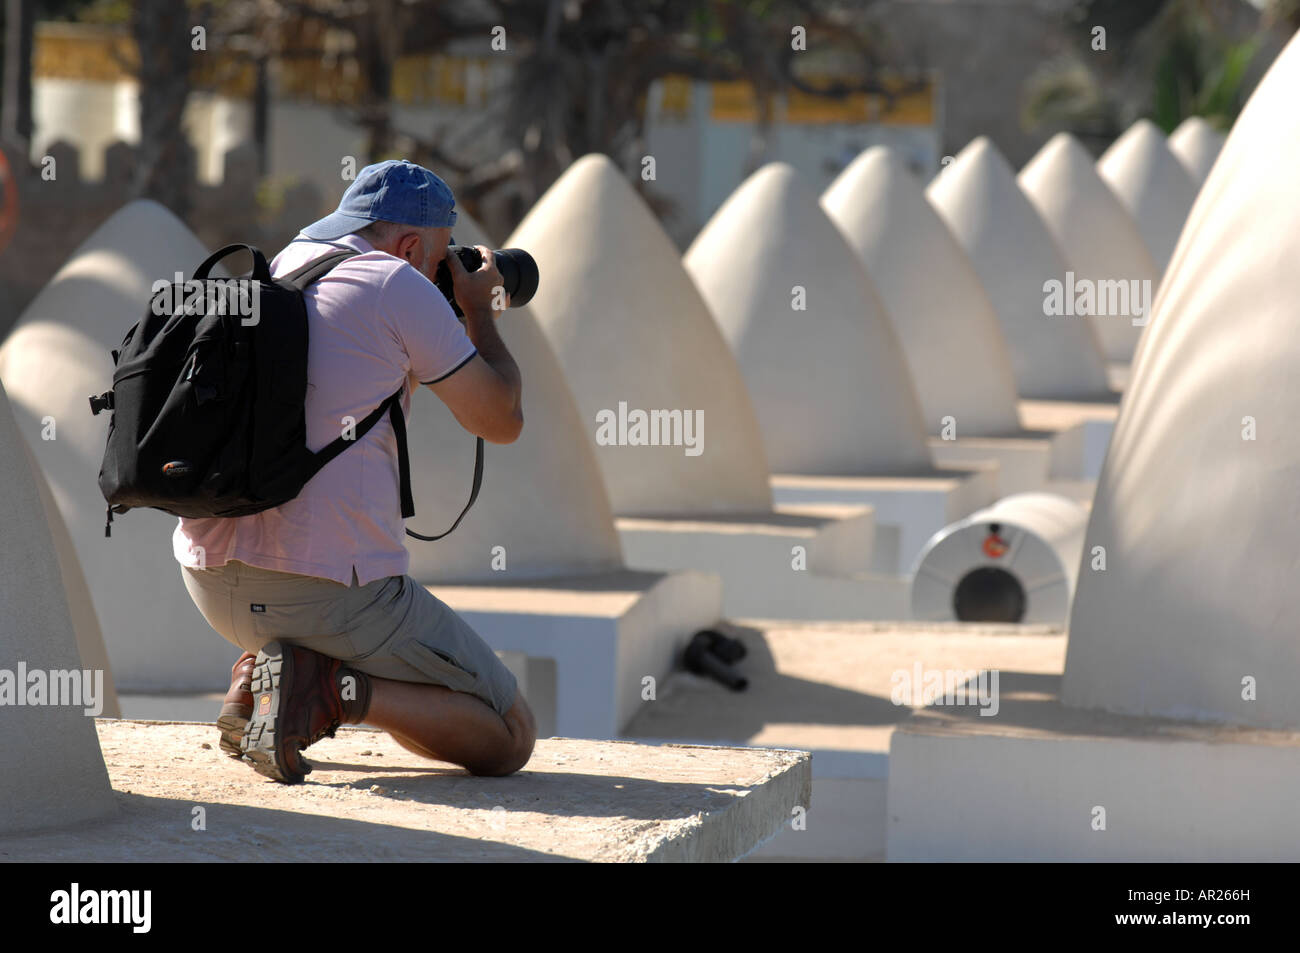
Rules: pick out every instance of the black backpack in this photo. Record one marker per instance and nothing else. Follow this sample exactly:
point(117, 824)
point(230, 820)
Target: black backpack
point(207, 407)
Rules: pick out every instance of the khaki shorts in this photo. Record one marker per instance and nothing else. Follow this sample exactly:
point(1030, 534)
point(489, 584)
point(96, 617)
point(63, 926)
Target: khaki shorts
point(390, 628)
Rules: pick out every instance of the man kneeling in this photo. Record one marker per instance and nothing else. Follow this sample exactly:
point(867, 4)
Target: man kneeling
point(315, 591)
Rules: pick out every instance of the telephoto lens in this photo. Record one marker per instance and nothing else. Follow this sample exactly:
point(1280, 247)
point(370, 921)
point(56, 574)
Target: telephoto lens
point(517, 267)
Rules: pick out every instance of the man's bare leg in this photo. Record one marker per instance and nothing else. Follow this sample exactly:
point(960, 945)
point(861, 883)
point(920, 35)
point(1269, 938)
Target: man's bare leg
point(444, 725)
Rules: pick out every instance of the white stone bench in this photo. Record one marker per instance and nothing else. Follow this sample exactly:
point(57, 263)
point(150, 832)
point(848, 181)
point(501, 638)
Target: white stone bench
point(919, 505)
point(1032, 784)
point(605, 633)
point(796, 562)
point(368, 799)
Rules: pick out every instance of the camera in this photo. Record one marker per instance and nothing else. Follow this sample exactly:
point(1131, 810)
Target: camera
point(517, 267)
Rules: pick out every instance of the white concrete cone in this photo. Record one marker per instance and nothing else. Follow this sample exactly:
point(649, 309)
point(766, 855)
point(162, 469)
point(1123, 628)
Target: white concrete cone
point(634, 337)
point(90, 638)
point(1099, 239)
point(53, 774)
point(54, 359)
point(823, 365)
point(1055, 358)
point(1195, 613)
point(1196, 144)
point(1152, 185)
point(543, 502)
point(948, 329)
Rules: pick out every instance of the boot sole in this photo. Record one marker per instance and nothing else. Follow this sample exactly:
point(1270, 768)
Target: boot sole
point(259, 745)
point(233, 722)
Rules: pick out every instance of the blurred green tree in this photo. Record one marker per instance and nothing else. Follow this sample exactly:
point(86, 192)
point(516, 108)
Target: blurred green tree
point(1164, 59)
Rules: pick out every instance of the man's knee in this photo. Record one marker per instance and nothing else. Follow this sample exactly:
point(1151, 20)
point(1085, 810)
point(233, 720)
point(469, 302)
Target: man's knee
point(523, 732)
point(516, 752)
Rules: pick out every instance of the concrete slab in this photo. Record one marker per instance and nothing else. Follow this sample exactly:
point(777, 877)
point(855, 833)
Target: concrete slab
point(918, 505)
point(1043, 782)
point(604, 633)
point(370, 800)
point(1024, 463)
point(1084, 429)
point(828, 688)
point(798, 562)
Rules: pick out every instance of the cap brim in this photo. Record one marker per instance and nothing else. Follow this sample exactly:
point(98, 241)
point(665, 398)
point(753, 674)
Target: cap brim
point(335, 226)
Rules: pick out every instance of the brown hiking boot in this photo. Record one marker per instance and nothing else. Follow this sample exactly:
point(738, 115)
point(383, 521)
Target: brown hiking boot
point(297, 700)
point(237, 707)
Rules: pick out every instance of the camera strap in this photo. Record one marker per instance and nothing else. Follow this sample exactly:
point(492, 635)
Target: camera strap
point(392, 406)
point(404, 471)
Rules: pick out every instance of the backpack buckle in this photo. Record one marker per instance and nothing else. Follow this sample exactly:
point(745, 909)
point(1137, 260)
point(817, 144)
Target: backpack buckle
point(103, 402)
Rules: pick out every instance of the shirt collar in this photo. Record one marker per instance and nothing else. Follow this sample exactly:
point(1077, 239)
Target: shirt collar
point(352, 241)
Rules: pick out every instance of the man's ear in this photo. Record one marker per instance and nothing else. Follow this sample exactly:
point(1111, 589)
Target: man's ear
point(410, 248)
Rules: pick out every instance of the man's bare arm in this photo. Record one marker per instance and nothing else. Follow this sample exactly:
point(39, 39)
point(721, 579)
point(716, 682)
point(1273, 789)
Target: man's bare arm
point(486, 394)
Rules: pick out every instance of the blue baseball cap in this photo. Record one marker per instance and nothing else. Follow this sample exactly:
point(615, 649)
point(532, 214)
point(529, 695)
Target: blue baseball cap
point(394, 191)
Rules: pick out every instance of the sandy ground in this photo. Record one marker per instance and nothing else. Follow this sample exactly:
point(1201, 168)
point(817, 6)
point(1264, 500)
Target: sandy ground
point(829, 685)
point(812, 685)
point(369, 799)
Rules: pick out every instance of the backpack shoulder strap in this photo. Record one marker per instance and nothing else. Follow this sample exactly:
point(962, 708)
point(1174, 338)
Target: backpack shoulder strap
point(317, 268)
point(392, 406)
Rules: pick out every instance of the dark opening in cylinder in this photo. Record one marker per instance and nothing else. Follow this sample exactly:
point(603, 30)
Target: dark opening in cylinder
point(989, 594)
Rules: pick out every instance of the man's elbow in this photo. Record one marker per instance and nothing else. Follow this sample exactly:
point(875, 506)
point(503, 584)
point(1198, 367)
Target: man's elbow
point(507, 428)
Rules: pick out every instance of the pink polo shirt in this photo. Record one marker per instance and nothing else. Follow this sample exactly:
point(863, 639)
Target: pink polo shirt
point(374, 324)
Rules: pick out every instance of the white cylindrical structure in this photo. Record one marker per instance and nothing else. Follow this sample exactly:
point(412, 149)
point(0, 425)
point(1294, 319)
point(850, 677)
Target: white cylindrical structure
point(1014, 561)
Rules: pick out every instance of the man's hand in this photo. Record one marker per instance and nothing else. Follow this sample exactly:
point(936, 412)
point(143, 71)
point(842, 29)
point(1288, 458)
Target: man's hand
point(477, 291)
point(484, 395)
